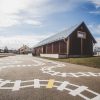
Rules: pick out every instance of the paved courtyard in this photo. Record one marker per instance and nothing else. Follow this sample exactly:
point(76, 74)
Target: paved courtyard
point(24, 77)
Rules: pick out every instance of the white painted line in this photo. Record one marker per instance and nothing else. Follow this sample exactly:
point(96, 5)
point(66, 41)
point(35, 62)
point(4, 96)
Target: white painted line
point(92, 92)
point(82, 74)
point(1, 80)
point(63, 86)
point(49, 70)
point(29, 65)
point(78, 90)
point(55, 73)
point(3, 67)
point(84, 97)
point(92, 74)
point(36, 83)
point(96, 98)
point(63, 74)
point(26, 86)
point(74, 75)
point(4, 83)
point(16, 85)
point(24, 65)
point(18, 65)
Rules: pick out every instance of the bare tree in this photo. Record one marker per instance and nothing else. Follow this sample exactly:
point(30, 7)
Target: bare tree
point(6, 49)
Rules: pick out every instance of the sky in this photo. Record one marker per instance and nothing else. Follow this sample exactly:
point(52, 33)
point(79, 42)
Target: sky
point(30, 21)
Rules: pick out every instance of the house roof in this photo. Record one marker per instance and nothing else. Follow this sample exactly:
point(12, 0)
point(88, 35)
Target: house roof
point(24, 47)
point(61, 35)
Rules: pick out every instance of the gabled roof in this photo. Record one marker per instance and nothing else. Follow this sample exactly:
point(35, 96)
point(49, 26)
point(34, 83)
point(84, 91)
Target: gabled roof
point(61, 35)
point(24, 47)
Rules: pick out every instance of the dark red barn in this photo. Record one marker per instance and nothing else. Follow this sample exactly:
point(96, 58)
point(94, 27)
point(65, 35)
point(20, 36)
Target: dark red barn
point(74, 42)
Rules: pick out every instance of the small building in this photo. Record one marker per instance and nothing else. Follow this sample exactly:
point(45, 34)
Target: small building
point(24, 49)
point(74, 42)
point(1, 51)
point(97, 51)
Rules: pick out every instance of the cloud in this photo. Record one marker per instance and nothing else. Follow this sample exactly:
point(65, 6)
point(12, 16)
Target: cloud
point(95, 28)
point(98, 42)
point(14, 12)
point(97, 5)
point(29, 12)
point(97, 12)
point(6, 20)
point(96, 2)
point(33, 22)
point(10, 10)
point(16, 41)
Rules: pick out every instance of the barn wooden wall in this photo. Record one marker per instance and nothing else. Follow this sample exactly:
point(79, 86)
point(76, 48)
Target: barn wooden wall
point(60, 47)
point(75, 43)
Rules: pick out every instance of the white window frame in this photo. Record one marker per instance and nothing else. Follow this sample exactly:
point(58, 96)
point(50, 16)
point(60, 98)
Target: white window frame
point(81, 33)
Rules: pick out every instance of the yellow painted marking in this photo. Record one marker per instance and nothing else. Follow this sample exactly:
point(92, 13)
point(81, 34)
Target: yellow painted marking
point(50, 83)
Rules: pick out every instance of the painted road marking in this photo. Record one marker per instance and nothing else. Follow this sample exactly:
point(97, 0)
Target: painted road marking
point(55, 73)
point(24, 65)
point(74, 75)
point(49, 71)
point(63, 74)
point(96, 98)
point(1, 80)
point(18, 65)
point(92, 74)
point(82, 74)
point(36, 83)
point(16, 85)
point(14, 64)
point(4, 83)
point(50, 83)
point(29, 65)
point(78, 90)
point(63, 86)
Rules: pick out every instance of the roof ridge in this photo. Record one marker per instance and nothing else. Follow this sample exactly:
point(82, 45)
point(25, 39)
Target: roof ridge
point(59, 36)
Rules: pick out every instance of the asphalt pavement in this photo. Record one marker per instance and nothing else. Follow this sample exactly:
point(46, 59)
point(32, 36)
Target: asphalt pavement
point(24, 77)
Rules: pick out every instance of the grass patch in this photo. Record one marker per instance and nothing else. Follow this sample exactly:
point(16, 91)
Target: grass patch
point(88, 61)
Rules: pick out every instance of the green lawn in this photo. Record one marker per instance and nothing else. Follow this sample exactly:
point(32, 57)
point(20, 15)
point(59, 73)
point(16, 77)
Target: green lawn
point(89, 61)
